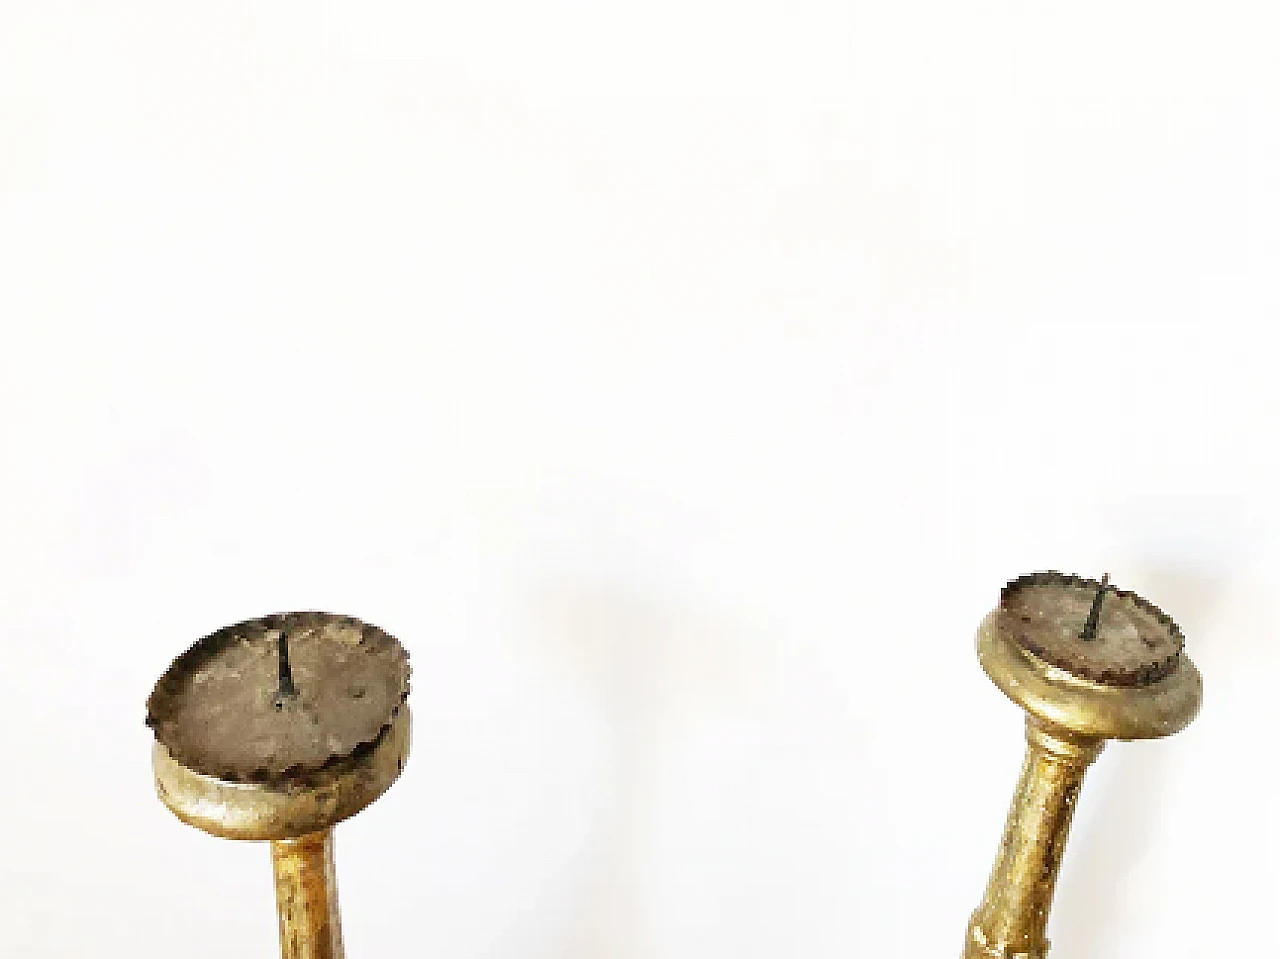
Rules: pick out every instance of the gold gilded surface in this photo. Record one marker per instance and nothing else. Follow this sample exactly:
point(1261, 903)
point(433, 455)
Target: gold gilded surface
point(307, 897)
point(238, 810)
point(1015, 910)
point(1080, 705)
point(1069, 719)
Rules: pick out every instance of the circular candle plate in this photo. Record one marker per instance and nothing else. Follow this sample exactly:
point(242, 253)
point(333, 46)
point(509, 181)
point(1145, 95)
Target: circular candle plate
point(276, 699)
point(1128, 642)
point(1089, 659)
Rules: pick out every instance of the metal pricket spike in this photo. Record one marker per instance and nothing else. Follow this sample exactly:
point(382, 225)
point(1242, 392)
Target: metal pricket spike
point(287, 689)
point(1090, 630)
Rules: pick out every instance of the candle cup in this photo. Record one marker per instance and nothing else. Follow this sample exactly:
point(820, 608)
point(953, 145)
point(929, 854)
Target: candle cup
point(1079, 689)
point(242, 754)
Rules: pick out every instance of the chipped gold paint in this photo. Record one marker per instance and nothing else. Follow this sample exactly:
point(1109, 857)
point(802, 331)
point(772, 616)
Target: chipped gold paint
point(1011, 920)
point(307, 897)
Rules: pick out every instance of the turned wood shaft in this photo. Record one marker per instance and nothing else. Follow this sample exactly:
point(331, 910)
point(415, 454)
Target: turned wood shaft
point(1010, 923)
point(307, 897)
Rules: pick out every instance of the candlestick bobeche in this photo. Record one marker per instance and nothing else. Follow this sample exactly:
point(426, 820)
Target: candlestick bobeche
point(277, 729)
point(1087, 663)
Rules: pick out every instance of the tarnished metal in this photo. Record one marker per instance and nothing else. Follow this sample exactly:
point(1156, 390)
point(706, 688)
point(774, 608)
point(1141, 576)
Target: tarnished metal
point(285, 810)
point(1069, 719)
point(1090, 629)
point(277, 729)
point(273, 698)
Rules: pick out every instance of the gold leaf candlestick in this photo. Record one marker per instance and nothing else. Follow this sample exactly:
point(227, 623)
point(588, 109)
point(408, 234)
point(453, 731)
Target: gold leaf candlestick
point(277, 729)
point(1087, 663)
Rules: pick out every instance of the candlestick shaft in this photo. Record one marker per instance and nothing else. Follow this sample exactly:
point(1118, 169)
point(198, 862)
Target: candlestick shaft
point(1010, 923)
point(307, 897)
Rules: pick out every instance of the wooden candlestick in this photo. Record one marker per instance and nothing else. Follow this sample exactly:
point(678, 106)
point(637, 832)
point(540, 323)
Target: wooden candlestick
point(277, 729)
point(1087, 663)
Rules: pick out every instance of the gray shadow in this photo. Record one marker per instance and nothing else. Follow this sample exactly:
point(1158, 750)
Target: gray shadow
point(648, 663)
point(1090, 901)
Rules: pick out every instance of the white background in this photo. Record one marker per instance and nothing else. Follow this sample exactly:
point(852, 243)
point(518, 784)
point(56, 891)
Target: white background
point(680, 381)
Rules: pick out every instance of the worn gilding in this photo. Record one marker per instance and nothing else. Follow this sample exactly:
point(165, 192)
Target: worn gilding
point(307, 897)
point(1081, 705)
point(277, 729)
point(237, 810)
point(1069, 719)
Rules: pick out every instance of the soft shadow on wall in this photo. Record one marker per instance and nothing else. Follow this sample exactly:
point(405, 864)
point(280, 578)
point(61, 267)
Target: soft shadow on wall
point(649, 665)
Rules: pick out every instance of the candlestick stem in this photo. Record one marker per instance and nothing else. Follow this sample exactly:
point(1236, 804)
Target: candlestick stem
point(307, 897)
point(1015, 910)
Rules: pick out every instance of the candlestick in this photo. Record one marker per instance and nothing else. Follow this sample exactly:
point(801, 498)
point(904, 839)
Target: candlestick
point(277, 729)
point(1088, 663)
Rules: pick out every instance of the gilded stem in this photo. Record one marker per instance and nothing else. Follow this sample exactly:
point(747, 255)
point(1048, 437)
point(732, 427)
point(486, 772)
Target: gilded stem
point(307, 897)
point(1010, 923)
